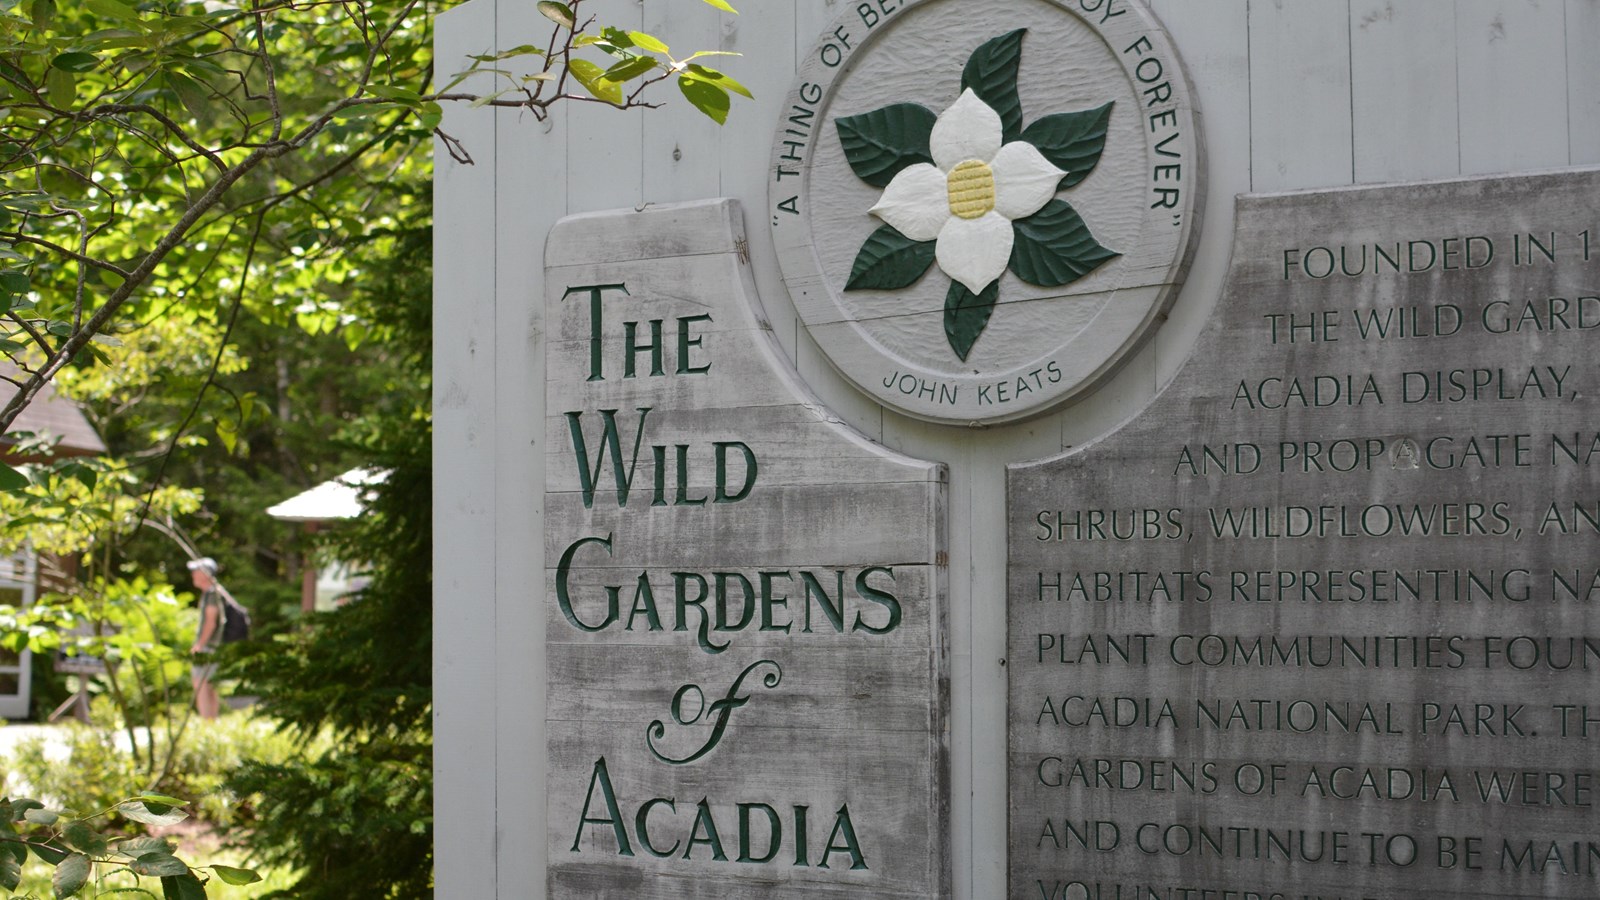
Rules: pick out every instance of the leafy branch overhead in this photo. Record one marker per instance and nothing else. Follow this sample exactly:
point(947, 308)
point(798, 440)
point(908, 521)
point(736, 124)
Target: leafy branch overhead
point(198, 157)
point(635, 58)
point(116, 864)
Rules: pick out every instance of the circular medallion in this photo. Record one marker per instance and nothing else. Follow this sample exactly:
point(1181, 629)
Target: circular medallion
point(982, 207)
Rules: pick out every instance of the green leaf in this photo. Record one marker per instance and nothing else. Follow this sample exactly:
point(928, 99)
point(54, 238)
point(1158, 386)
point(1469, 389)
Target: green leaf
point(230, 875)
point(21, 806)
point(140, 846)
point(71, 874)
point(159, 815)
point(75, 61)
point(158, 864)
point(10, 870)
point(889, 260)
point(116, 9)
point(1053, 247)
point(966, 315)
point(195, 97)
point(629, 69)
point(1072, 141)
point(708, 98)
point(392, 92)
point(60, 88)
point(991, 73)
point(79, 834)
point(43, 13)
point(882, 143)
point(719, 79)
point(430, 114)
point(162, 799)
point(593, 79)
point(182, 887)
point(559, 13)
point(648, 42)
point(15, 282)
point(51, 853)
point(41, 816)
point(723, 5)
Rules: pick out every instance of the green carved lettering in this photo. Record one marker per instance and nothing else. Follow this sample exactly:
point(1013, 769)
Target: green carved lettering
point(685, 342)
point(641, 825)
point(681, 581)
point(774, 833)
point(595, 291)
point(704, 824)
point(632, 348)
point(801, 836)
point(832, 608)
point(613, 815)
point(771, 601)
point(883, 598)
point(563, 596)
point(644, 602)
point(750, 467)
point(610, 441)
point(683, 498)
point(748, 609)
point(844, 830)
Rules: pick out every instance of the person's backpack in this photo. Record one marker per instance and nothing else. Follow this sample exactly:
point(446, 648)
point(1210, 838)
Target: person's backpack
point(235, 618)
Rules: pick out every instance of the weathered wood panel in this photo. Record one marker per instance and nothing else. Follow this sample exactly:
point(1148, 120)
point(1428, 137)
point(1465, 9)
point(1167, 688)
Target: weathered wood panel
point(1352, 557)
point(698, 551)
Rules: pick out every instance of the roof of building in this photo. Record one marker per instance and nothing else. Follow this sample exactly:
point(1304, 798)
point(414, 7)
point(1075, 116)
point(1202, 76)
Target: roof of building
point(340, 498)
point(54, 415)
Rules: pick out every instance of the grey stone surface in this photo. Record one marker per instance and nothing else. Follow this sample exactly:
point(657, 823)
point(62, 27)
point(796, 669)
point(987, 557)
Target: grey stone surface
point(746, 651)
point(1321, 620)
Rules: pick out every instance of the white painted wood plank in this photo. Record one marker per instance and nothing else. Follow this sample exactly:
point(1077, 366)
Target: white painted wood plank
point(1300, 94)
point(1213, 40)
point(1583, 80)
point(1513, 73)
point(1404, 90)
point(604, 143)
point(765, 37)
point(527, 151)
point(465, 698)
point(680, 143)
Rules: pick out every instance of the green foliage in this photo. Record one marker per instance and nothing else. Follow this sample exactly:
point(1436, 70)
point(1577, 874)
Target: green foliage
point(89, 860)
point(91, 766)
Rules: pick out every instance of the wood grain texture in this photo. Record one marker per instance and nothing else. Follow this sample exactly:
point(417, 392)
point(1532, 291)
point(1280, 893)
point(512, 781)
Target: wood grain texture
point(814, 606)
point(1286, 583)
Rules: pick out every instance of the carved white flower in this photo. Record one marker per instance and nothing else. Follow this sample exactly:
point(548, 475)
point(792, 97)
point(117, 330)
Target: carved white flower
point(968, 198)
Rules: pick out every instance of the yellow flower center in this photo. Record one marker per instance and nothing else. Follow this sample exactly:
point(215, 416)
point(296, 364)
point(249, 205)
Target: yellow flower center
point(971, 187)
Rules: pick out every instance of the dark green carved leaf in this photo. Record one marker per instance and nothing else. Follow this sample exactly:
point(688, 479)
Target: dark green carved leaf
point(1054, 247)
point(966, 315)
point(1072, 141)
point(991, 73)
point(889, 260)
point(881, 143)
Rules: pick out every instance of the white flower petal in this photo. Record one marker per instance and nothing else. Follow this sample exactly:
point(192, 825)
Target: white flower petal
point(916, 202)
point(969, 129)
point(975, 251)
point(1024, 181)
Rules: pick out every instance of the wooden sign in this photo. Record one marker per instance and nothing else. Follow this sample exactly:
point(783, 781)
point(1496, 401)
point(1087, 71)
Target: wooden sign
point(1322, 620)
point(746, 653)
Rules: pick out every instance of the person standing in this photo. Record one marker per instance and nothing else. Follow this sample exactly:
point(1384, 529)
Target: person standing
point(202, 672)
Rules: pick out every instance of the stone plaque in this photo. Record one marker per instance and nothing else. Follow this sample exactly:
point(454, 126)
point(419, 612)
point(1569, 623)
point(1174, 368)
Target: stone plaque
point(982, 208)
point(1321, 621)
point(746, 651)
